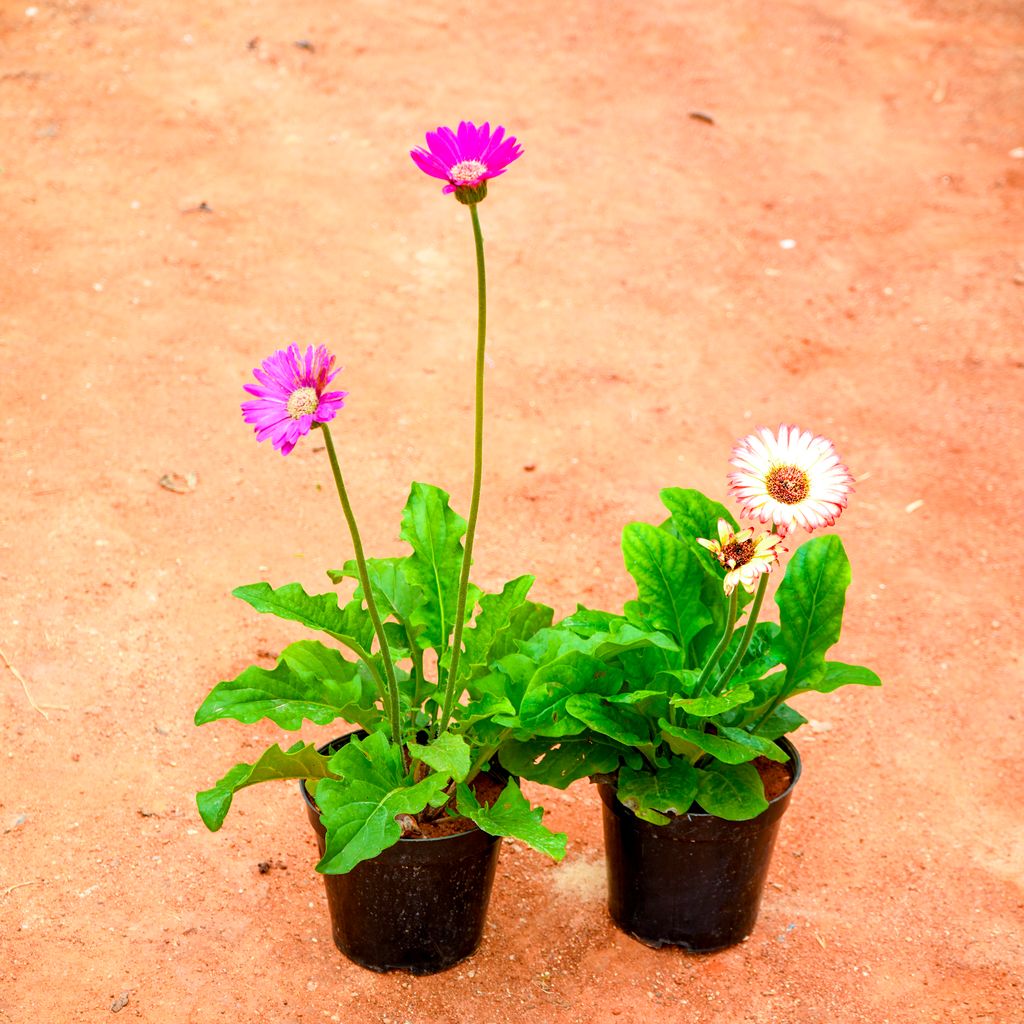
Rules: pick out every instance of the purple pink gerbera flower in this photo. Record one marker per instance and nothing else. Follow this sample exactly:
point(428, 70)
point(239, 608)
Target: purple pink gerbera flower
point(468, 157)
point(291, 395)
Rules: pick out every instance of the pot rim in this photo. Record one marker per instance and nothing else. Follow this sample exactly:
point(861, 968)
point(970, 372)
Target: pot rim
point(331, 747)
point(794, 762)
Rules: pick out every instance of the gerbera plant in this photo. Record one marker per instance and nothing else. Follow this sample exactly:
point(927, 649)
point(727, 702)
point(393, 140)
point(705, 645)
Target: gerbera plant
point(680, 698)
point(410, 637)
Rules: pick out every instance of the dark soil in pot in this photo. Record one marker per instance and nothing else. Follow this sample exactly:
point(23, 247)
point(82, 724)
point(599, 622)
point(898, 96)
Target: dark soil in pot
point(697, 881)
point(420, 905)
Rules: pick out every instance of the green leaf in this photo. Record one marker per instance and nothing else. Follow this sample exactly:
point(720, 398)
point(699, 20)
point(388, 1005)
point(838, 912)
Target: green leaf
point(317, 611)
point(511, 815)
point(298, 762)
point(652, 704)
point(529, 618)
point(492, 623)
point(714, 704)
point(448, 754)
point(311, 682)
point(508, 680)
point(587, 621)
point(734, 792)
point(480, 708)
point(358, 810)
point(760, 656)
point(435, 534)
point(559, 762)
point(837, 674)
point(625, 637)
point(392, 591)
point(759, 744)
point(548, 645)
point(811, 599)
point(782, 720)
point(735, 748)
point(652, 796)
point(668, 577)
point(695, 515)
point(616, 721)
point(543, 709)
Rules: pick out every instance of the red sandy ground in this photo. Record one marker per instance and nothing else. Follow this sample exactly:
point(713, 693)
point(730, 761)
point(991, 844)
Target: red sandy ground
point(644, 315)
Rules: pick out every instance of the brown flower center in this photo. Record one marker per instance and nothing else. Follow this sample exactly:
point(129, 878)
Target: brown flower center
point(788, 485)
point(737, 553)
point(303, 402)
point(467, 171)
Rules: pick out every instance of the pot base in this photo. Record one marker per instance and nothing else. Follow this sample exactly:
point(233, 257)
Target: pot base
point(418, 906)
point(694, 883)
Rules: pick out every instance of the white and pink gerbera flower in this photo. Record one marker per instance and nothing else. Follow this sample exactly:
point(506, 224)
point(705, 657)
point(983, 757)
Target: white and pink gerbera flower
point(743, 556)
point(793, 479)
point(291, 395)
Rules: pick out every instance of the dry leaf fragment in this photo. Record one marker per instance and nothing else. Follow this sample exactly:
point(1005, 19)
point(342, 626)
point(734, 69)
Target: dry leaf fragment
point(179, 483)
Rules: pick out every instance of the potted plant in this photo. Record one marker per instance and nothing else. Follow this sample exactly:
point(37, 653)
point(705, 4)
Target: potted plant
point(678, 706)
point(406, 814)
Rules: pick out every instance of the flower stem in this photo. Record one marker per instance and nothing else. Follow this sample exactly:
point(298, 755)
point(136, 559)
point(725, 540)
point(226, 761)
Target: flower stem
point(723, 646)
point(748, 633)
point(478, 463)
point(393, 707)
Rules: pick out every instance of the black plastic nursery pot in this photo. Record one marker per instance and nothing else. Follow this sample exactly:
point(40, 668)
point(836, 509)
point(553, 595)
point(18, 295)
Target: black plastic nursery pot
point(695, 882)
point(419, 906)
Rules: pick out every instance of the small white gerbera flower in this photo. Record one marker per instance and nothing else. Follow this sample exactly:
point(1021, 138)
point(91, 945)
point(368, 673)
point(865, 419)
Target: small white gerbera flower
point(791, 480)
point(744, 557)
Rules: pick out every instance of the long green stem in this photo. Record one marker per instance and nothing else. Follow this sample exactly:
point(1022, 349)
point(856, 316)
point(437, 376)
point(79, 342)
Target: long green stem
point(478, 465)
point(393, 707)
point(748, 633)
point(723, 646)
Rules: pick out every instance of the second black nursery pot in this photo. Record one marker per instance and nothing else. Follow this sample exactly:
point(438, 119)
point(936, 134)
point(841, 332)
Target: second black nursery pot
point(419, 906)
point(695, 882)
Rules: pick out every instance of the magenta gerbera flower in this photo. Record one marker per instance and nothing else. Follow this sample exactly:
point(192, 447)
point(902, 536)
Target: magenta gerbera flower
point(466, 159)
point(290, 395)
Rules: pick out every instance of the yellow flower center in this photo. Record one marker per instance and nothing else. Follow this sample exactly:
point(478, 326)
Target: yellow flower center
point(303, 402)
point(788, 484)
point(467, 171)
point(737, 554)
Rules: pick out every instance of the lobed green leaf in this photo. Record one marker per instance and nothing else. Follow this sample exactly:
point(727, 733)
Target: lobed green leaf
point(298, 762)
point(448, 754)
point(511, 815)
point(492, 625)
point(317, 611)
point(435, 534)
point(358, 810)
point(310, 681)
